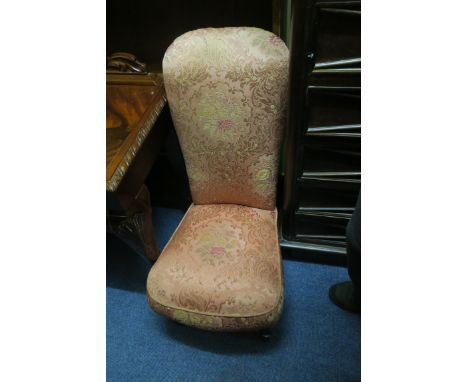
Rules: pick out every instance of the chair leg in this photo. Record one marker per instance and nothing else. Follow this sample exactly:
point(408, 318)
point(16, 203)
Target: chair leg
point(265, 334)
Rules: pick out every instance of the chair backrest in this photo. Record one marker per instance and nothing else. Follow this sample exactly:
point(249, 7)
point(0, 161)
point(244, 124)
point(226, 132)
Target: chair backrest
point(227, 92)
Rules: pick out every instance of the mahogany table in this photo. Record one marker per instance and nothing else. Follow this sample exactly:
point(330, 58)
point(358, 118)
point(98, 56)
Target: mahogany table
point(133, 139)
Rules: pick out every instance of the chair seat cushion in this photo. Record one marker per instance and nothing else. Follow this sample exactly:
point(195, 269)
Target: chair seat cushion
point(221, 270)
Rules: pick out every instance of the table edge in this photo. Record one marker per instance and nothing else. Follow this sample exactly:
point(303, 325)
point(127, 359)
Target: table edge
point(113, 181)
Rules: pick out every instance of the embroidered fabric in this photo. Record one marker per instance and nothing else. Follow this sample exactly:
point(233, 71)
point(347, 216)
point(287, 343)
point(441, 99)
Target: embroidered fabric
point(227, 91)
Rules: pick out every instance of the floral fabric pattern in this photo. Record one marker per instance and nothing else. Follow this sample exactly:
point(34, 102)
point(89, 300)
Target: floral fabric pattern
point(222, 262)
point(227, 91)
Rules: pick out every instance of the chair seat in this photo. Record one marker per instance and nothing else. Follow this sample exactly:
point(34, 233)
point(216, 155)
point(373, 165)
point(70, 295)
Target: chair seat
point(221, 270)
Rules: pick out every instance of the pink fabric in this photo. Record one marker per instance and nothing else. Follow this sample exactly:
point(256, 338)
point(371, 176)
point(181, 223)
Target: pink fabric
point(227, 91)
point(223, 261)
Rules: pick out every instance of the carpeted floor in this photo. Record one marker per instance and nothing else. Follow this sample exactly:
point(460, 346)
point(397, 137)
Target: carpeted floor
point(314, 341)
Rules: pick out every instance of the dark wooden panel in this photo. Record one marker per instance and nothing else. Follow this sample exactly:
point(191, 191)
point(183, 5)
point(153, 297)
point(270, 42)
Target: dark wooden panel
point(350, 77)
point(321, 226)
point(322, 154)
point(300, 66)
point(331, 151)
point(333, 107)
point(328, 192)
point(338, 35)
point(146, 28)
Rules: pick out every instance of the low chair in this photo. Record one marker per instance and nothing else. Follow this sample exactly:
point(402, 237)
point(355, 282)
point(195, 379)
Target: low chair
point(227, 92)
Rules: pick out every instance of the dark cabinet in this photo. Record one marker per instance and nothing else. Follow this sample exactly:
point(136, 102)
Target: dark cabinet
point(322, 161)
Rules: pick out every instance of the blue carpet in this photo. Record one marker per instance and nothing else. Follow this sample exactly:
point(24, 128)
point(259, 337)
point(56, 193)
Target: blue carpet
point(314, 340)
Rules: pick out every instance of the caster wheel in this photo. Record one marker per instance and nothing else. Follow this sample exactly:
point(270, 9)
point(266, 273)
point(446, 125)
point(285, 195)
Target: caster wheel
point(265, 335)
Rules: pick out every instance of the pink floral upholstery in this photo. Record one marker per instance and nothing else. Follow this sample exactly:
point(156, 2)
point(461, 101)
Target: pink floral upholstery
point(221, 269)
point(227, 91)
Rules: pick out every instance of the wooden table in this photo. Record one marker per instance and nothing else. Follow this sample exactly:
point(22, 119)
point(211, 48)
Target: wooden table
point(133, 139)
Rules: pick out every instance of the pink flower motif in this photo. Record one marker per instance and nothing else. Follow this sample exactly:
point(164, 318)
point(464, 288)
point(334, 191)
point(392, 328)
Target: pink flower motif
point(275, 40)
point(225, 124)
point(217, 251)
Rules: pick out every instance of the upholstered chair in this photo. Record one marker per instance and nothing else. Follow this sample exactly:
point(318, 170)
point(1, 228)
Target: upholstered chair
point(227, 92)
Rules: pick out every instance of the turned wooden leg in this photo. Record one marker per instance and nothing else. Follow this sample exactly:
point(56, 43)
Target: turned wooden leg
point(137, 221)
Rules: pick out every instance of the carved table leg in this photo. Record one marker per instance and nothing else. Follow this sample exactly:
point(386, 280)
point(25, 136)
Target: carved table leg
point(137, 222)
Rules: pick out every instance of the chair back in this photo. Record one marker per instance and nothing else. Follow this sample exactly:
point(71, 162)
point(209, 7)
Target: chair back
point(227, 92)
